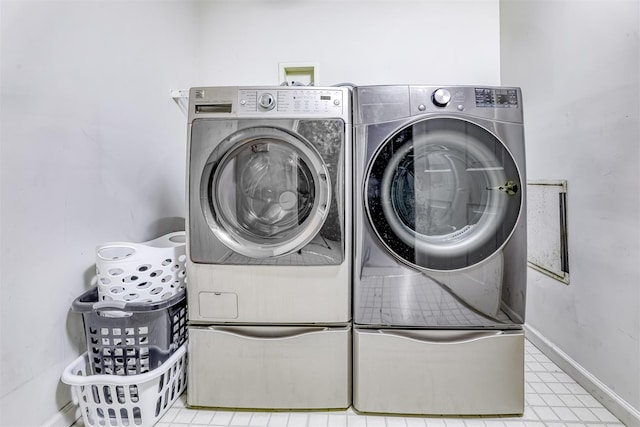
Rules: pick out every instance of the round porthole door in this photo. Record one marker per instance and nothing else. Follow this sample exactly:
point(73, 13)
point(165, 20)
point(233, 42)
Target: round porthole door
point(265, 192)
point(443, 194)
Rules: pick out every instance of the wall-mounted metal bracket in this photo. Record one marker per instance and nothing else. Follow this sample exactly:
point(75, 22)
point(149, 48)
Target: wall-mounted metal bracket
point(181, 97)
point(548, 244)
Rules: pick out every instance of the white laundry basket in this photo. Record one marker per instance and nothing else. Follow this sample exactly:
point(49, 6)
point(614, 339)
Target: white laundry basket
point(141, 272)
point(135, 400)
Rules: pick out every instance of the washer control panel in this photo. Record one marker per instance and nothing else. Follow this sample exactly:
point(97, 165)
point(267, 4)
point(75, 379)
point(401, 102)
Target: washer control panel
point(304, 100)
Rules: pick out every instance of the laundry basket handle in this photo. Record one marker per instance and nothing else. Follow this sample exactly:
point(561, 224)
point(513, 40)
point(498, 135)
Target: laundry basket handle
point(170, 240)
point(89, 302)
point(116, 251)
point(109, 305)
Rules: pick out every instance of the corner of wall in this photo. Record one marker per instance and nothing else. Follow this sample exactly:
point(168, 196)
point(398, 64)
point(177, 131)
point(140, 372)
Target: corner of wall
point(607, 397)
point(65, 417)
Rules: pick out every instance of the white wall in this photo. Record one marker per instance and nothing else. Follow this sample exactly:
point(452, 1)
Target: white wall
point(578, 66)
point(357, 41)
point(92, 150)
point(92, 146)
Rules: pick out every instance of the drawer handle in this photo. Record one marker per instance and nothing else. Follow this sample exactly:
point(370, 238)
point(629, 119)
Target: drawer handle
point(268, 333)
point(453, 337)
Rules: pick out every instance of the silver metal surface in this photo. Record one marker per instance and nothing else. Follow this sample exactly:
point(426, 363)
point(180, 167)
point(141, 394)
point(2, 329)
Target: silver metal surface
point(441, 97)
point(266, 367)
point(426, 372)
point(439, 250)
point(256, 216)
point(269, 205)
point(488, 281)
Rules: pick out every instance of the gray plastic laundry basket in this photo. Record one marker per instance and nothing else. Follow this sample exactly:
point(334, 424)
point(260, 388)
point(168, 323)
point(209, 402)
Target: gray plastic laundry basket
point(131, 338)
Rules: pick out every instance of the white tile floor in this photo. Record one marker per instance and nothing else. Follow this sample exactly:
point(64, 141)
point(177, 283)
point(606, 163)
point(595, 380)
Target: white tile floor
point(552, 399)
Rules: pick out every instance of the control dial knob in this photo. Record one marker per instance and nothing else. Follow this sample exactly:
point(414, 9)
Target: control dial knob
point(441, 97)
point(267, 101)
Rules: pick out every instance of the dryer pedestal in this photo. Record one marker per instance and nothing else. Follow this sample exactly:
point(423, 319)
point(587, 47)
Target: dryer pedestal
point(438, 372)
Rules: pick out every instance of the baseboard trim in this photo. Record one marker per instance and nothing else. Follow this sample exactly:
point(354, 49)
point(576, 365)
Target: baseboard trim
point(626, 413)
point(607, 397)
point(65, 417)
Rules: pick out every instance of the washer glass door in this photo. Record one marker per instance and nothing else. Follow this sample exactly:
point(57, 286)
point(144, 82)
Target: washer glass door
point(443, 194)
point(268, 192)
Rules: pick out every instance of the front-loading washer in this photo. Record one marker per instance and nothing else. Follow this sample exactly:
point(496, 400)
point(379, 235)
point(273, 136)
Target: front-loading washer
point(440, 250)
point(268, 247)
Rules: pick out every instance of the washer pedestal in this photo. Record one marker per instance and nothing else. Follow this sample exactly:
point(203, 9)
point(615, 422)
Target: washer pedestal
point(270, 367)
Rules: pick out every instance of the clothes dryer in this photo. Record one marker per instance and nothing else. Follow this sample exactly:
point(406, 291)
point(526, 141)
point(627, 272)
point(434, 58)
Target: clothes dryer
point(269, 244)
point(440, 250)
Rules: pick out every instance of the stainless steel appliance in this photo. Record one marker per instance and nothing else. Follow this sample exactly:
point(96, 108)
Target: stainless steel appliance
point(440, 250)
point(269, 244)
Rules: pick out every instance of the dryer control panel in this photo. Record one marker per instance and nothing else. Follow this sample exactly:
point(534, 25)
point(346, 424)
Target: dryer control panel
point(497, 103)
point(306, 100)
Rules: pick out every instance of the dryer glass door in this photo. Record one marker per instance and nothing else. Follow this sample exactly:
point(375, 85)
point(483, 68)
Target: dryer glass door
point(443, 194)
point(268, 192)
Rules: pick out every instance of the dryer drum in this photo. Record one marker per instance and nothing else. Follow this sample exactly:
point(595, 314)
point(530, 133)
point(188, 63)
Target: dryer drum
point(435, 198)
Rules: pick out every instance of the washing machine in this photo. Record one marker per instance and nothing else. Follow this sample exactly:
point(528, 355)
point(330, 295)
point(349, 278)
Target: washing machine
point(269, 241)
point(440, 250)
